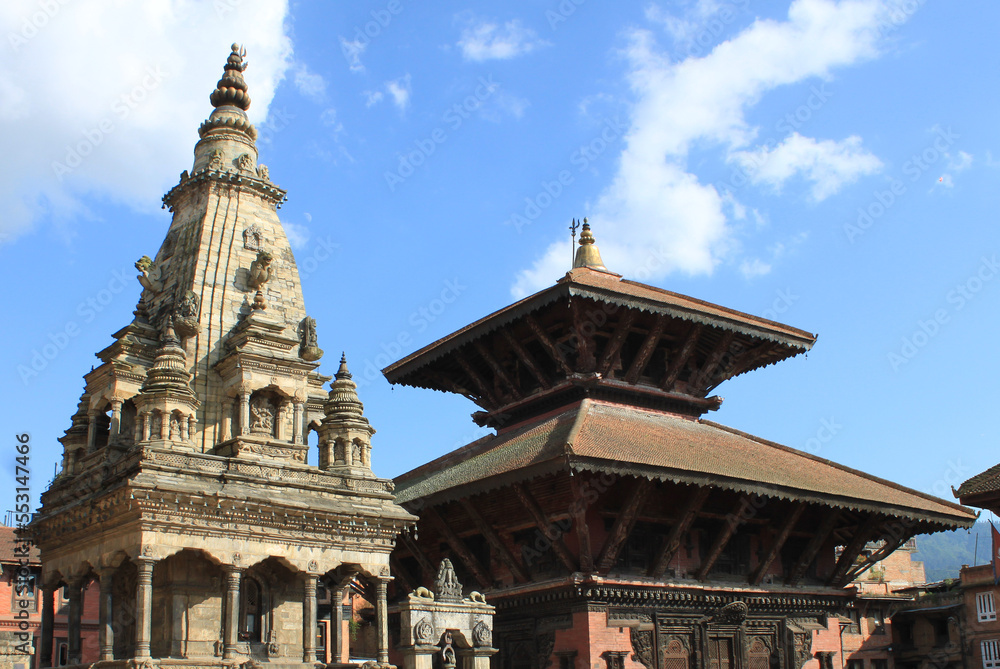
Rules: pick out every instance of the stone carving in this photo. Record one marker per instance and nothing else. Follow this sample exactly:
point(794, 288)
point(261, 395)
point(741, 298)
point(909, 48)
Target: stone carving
point(141, 664)
point(447, 652)
point(260, 270)
point(446, 585)
point(308, 350)
point(261, 415)
point(273, 649)
point(185, 176)
point(175, 428)
point(263, 173)
point(259, 303)
point(147, 551)
point(186, 315)
point(802, 648)
point(423, 632)
point(422, 593)
point(237, 558)
point(253, 239)
point(251, 663)
point(150, 274)
point(642, 646)
point(546, 644)
point(215, 160)
point(478, 597)
point(313, 565)
point(482, 635)
point(245, 163)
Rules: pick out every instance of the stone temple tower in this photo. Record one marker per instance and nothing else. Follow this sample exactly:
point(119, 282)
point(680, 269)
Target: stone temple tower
point(185, 490)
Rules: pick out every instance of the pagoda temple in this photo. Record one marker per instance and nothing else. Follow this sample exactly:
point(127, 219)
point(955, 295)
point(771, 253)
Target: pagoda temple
point(611, 524)
point(185, 492)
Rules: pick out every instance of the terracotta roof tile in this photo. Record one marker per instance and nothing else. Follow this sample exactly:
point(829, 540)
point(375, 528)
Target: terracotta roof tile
point(985, 482)
point(602, 436)
point(8, 541)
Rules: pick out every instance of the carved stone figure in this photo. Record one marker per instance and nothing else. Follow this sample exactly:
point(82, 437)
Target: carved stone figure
point(422, 593)
point(447, 652)
point(149, 274)
point(260, 269)
point(446, 585)
point(261, 415)
point(423, 632)
point(263, 173)
point(215, 160)
point(732, 614)
point(186, 315)
point(245, 163)
point(252, 238)
point(308, 350)
point(642, 646)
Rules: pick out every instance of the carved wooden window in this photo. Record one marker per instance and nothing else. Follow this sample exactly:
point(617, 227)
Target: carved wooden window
point(720, 653)
point(759, 656)
point(251, 610)
point(675, 655)
point(615, 659)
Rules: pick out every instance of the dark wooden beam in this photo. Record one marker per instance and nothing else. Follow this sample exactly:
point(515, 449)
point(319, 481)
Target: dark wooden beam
point(614, 344)
point(729, 527)
point(542, 523)
point(548, 344)
point(527, 359)
point(400, 572)
point(646, 350)
point(852, 550)
point(623, 525)
point(890, 547)
point(673, 540)
point(579, 514)
point(715, 358)
point(497, 369)
point(449, 384)
point(812, 548)
point(428, 572)
point(479, 381)
point(676, 366)
point(586, 361)
point(779, 541)
point(749, 360)
point(478, 571)
point(497, 544)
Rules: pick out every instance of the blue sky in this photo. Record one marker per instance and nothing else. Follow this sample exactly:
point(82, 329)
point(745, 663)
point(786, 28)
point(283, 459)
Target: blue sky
point(827, 164)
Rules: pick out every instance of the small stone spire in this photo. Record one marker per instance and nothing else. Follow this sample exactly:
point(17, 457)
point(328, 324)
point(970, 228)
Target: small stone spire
point(343, 400)
point(232, 89)
point(588, 255)
point(345, 434)
point(169, 370)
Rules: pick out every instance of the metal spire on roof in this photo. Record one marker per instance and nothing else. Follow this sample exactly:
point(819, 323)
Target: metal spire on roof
point(588, 255)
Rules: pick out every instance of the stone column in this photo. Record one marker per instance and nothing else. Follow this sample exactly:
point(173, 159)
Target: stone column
point(337, 645)
point(75, 592)
point(106, 631)
point(147, 424)
point(279, 420)
point(231, 623)
point(309, 619)
point(297, 408)
point(226, 428)
point(244, 413)
point(91, 430)
point(48, 622)
point(192, 423)
point(116, 420)
point(382, 618)
point(144, 607)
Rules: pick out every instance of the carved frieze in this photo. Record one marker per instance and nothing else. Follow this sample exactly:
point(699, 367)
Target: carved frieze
point(642, 647)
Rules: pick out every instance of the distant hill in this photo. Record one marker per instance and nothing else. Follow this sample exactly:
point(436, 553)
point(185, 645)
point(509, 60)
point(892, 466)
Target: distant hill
point(944, 553)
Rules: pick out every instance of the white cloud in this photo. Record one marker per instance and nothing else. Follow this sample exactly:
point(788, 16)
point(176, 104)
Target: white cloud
point(309, 84)
point(353, 50)
point(87, 82)
point(329, 118)
point(654, 201)
point(298, 234)
point(827, 164)
point(485, 40)
point(754, 268)
point(372, 98)
point(956, 164)
point(399, 89)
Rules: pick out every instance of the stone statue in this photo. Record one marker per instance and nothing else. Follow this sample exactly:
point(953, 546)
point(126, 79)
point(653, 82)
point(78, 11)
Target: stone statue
point(263, 172)
point(446, 585)
point(308, 350)
point(245, 163)
point(215, 160)
point(260, 269)
point(186, 315)
point(261, 416)
point(447, 652)
point(149, 274)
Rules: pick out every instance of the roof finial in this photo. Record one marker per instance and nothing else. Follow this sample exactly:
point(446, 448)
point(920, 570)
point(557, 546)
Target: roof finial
point(588, 255)
point(232, 89)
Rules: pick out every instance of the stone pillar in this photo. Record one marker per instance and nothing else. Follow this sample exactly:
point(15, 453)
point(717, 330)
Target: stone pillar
point(279, 420)
point(91, 430)
point(48, 622)
point(337, 645)
point(106, 631)
point(165, 425)
point(192, 424)
point(147, 424)
point(244, 413)
point(297, 410)
point(231, 622)
point(116, 420)
point(183, 425)
point(226, 428)
point(75, 592)
point(382, 618)
point(144, 607)
point(309, 619)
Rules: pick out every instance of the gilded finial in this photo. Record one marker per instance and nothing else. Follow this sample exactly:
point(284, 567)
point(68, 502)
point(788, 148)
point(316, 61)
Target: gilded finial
point(588, 255)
